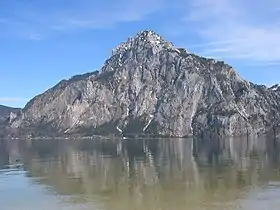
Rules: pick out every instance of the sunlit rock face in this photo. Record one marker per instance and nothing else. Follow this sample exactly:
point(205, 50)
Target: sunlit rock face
point(150, 87)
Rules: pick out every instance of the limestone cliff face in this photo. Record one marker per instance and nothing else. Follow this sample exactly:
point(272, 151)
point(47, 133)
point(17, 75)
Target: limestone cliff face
point(148, 86)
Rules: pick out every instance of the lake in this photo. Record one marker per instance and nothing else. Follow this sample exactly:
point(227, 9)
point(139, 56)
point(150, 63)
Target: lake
point(140, 174)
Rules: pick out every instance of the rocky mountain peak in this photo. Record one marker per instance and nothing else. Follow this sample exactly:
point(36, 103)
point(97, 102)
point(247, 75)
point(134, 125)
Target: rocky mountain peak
point(143, 39)
point(150, 87)
point(145, 48)
point(149, 36)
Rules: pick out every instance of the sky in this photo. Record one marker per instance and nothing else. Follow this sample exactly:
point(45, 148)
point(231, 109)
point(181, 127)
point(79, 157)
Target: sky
point(43, 42)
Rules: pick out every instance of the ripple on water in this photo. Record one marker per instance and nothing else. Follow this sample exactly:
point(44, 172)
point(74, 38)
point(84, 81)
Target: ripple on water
point(263, 198)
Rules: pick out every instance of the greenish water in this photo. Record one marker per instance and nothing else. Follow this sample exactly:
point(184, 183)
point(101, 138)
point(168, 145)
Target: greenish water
point(162, 174)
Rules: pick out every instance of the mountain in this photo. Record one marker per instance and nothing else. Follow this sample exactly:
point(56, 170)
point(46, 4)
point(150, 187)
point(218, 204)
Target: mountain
point(5, 112)
point(150, 87)
point(7, 115)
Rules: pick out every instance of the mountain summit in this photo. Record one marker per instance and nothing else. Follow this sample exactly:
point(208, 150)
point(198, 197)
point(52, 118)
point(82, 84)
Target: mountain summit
point(144, 40)
point(150, 87)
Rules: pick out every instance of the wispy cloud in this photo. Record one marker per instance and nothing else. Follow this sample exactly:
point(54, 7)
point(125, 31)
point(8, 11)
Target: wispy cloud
point(12, 99)
point(38, 19)
point(236, 29)
point(225, 29)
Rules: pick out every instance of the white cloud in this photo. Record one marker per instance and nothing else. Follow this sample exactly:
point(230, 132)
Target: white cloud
point(226, 29)
point(237, 29)
point(39, 19)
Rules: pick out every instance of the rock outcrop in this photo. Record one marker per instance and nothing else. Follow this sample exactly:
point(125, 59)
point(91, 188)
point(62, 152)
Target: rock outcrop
point(150, 87)
point(7, 116)
point(6, 113)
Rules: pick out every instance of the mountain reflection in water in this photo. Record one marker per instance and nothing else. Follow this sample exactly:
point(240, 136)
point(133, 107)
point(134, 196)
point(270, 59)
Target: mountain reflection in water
point(155, 174)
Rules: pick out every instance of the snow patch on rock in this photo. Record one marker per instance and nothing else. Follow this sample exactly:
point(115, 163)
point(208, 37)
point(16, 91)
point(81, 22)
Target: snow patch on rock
point(120, 130)
point(145, 128)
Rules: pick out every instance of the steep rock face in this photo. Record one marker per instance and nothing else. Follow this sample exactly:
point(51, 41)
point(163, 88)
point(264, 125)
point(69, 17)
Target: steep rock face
point(149, 86)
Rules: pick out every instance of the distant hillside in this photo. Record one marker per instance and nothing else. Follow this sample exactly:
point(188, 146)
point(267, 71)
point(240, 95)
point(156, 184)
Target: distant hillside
point(5, 111)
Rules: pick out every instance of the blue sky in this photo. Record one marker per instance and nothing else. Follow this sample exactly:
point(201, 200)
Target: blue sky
point(45, 41)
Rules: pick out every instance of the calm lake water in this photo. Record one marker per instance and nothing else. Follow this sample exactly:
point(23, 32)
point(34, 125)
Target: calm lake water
point(156, 174)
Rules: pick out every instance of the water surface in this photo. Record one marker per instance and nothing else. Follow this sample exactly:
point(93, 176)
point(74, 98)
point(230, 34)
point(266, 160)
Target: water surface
point(154, 174)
